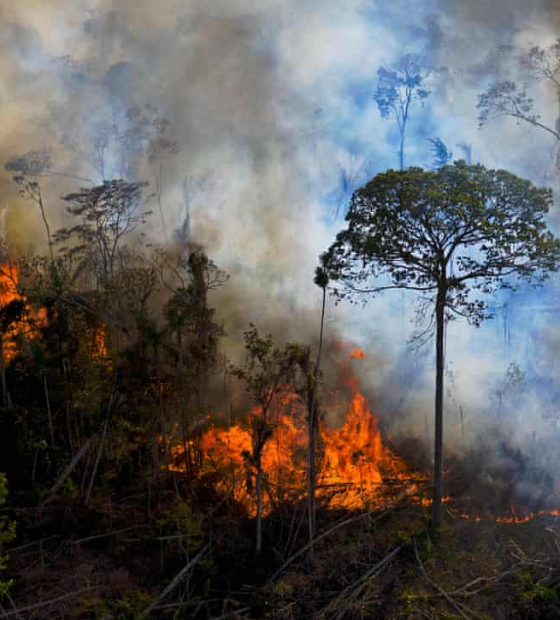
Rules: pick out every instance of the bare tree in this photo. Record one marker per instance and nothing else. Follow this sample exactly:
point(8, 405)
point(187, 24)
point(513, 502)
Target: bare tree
point(352, 170)
point(27, 170)
point(507, 98)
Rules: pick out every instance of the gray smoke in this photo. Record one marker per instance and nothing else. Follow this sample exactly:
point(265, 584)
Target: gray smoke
point(270, 103)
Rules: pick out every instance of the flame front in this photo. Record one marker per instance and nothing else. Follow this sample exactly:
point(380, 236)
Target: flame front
point(9, 279)
point(352, 464)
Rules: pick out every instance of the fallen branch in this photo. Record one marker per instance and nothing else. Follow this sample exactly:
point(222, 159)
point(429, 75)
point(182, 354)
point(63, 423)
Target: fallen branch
point(337, 527)
point(174, 582)
point(77, 458)
point(232, 614)
point(488, 581)
point(437, 586)
point(31, 544)
point(52, 601)
point(351, 593)
point(107, 534)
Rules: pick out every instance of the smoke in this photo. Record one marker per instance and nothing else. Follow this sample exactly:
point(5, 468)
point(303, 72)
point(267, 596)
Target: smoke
point(271, 107)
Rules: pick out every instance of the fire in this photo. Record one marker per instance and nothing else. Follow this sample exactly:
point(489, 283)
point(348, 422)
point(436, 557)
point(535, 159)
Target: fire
point(9, 279)
point(515, 515)
point(353, 460)
point(356, 354)
point(355, 457)
point(98, 346)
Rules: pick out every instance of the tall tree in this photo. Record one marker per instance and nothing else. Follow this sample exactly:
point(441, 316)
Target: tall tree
point(148, 134)
point(508, 98)
point(405, 228)
point(27, 170)
point(312, 375)
point(398, 90)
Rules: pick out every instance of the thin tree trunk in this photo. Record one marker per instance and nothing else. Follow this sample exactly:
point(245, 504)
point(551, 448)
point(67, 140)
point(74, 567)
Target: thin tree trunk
point(401, 151)
point(161, 415)
point(68, 423)
point(47, 227)
point(159, 185)
point(312, 431)
point(49, 413)
point(438, 445)
point(100, 451)
point(258, 492)
point(3, 372)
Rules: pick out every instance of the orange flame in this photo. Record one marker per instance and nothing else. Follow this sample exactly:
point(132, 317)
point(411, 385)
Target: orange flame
point(98, 346)
point(515, 515)
point(9, 279)
point(356, 354)
point(352, 467)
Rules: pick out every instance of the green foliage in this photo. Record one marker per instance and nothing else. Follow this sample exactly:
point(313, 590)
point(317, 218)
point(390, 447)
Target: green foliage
point(129, 606)
point(107, 212)
point(405, 228)
point(267, 367)
point(321, 278)
point(535, 592)
point(189, 523)
point(7, 534)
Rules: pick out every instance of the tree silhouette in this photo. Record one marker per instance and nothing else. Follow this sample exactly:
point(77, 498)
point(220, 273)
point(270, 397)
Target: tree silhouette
point(398, 90)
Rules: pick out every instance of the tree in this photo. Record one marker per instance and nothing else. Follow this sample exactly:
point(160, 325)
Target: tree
point(266, 372)
point(398, 90)
point(352, 171)
point(27, 170)
point(191, 321)
point(148, 134)
point(196, 188)
point(108, 212)
point(405, 228)
point(441, 156)
point(313, 374)
point(508, 98)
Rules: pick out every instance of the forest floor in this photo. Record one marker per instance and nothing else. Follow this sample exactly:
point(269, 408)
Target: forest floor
point(157, 554)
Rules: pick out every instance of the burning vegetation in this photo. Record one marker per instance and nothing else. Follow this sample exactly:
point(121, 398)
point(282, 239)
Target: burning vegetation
point(130, 400)
point(355, 468)
point(135, 421)
point(162, 456)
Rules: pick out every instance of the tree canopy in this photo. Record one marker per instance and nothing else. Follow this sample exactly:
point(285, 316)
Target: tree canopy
point(407, 228)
